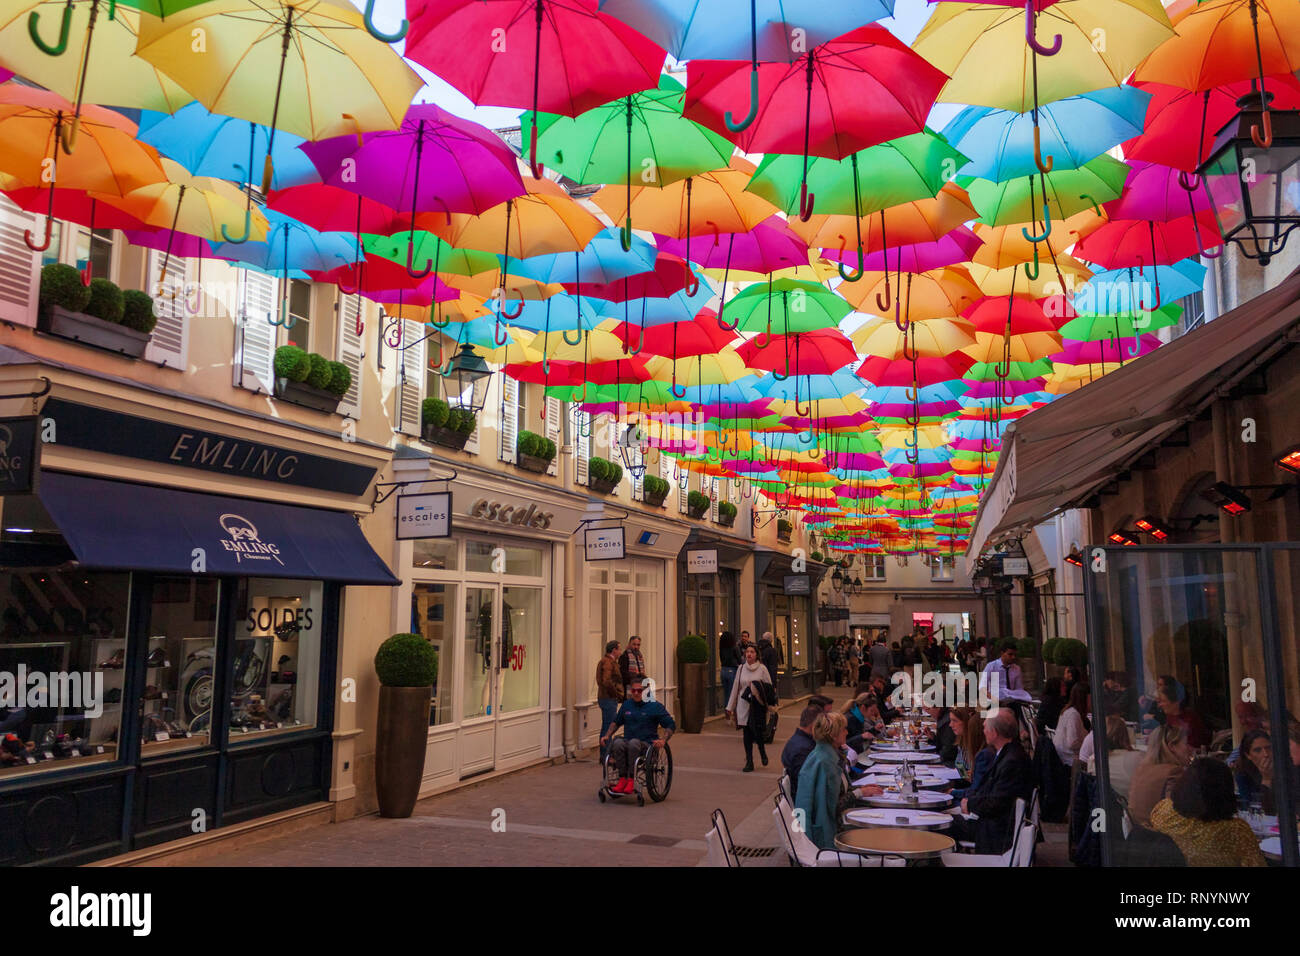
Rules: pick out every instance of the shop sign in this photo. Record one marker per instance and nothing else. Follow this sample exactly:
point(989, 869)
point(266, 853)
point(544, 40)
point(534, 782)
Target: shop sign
point(1015, 567)
point(827, 613)
point(114, 433)
point(605, 544)
point(486, 509)
point(424, 516)
point(797, 584)
point(702, 562)
point(20, 452)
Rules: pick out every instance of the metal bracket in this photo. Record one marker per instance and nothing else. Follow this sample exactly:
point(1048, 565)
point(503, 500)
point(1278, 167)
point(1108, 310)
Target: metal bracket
point(43, 391)
point(392, 486)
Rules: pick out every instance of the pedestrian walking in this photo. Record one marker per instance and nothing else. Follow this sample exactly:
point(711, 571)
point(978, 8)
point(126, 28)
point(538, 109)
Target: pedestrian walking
point(854, 662)
point(748, 705)
point(729, 658)
point(769, 657)
point(609, 691)
point(837, 662)
point(631, 664)
point(880, 659)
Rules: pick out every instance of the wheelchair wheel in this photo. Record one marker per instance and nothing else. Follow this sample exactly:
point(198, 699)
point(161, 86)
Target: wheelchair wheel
point(659, 773)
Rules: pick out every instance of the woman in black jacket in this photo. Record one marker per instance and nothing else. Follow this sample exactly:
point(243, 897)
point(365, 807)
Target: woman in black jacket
point(1049, 711)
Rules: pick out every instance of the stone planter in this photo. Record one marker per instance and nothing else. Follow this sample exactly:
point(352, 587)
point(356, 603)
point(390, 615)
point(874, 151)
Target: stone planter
point(446, 437)
point(402, 736)
point(89, 330)
point(601, 486)
point(695, 512)
point(726, 521)
point(656, 501)
point(300, 393)
point(532, 463)
point(691, 697)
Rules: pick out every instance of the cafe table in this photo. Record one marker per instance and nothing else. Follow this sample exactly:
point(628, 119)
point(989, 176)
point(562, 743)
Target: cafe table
point(908, 819)
point(898, 756)
point(910, 844)
point(922, 799)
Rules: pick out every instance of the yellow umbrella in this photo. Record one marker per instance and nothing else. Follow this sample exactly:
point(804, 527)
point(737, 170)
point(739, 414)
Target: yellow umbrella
point(544, 221)
point(1013, 278)
point(1006, 245)
point(599, 345)
point(463, 309)
point(698, 205)
point(823, 407)
point(982, 47)
point(520, 349)
point(879, 336)
point(993, 347)
point(922, 220)
point(718, 368)
point(198, 205)
point(485, 285)
point(937, 294)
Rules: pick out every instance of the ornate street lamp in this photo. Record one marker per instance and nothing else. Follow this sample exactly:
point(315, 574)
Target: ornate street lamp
point(837, 580)
point(632, 450)
point(466, 373)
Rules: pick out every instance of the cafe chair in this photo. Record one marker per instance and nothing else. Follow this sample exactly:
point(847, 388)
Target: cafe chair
point(726, 846)
point(1008, 858)
point(717, 856)
point(803, 852)
point(784, 785)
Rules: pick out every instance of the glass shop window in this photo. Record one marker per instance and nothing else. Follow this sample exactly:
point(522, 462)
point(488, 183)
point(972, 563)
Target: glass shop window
point(176, 703)
point(277, 655)
point(433, 617)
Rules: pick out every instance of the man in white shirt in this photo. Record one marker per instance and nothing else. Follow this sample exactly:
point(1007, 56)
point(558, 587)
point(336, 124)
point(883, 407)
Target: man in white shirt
point(1009, 684)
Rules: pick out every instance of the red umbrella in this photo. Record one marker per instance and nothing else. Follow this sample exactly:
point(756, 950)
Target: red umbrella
point(924, 370)
point(820, 352)
point(839, 98)
point(562, 56)
point(381, 279)
point(700, 336)
point(1141, 242)
point(331, 209)
point(1174, 116)
point(669, 276)
point(1025, 314)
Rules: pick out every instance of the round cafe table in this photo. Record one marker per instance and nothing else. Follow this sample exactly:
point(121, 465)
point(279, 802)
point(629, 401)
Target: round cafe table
point(908, 819)
point(923, 800)
point(911, 845)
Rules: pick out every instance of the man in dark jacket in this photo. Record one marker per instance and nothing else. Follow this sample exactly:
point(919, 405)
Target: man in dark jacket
point(631, 664)
point(994, 801)
point(799, 746)
point(767, 654)
point(945, 741)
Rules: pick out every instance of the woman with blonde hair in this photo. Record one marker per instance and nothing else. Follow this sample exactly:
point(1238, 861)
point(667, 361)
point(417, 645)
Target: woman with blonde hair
point(973, 757)
point(1168, 755)
point(1122, 760)
point(821, 781)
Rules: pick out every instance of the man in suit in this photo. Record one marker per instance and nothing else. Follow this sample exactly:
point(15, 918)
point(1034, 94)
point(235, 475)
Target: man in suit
point(800, 745)
point(994, 801)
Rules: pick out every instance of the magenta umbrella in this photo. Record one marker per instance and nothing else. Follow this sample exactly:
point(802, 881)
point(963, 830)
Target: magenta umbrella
point(995, 389)
point(948, 250)
point(177, 243)
point(769, 247)
point(1104, 351)
point(1154, 192)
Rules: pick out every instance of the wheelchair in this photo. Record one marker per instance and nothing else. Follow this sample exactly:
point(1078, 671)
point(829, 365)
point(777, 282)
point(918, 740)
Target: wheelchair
point(652, 774)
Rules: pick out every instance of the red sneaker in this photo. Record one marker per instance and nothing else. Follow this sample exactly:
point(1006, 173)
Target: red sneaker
point(626, 785)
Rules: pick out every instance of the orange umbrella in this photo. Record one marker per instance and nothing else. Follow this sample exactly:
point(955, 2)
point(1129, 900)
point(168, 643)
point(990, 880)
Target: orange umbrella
point(1007, 246)
point(922, 220)
point(713, 202)
point(993, 348)
point(923, 337)
point(923, 295)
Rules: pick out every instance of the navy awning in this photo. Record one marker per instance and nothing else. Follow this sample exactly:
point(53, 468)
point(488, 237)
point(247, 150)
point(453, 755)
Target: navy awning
point(125, 526)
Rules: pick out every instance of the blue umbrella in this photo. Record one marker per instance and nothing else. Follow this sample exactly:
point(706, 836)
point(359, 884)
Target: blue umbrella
point(601, 262)
point(1074, 130)
point(209, 144)
point(651, 311)
point(1121, 290)
point(804, 387)
point(559, 313)
point(706, 30)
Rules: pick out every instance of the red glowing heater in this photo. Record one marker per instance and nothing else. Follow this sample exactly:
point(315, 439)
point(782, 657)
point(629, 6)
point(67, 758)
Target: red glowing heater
point(1228, 497)
point(1121, 537)
point(1289, 460)
point(1153, 526)
point(1075, 558)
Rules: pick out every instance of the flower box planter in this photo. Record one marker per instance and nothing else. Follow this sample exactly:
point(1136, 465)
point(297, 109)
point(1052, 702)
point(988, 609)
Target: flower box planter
point(655, 501)
point(89, 330)
point(300, 393)
point(446, 437)
point(697, 512)
point(783, 536)
point(602, 486)
point(532, 463)
point(726, 521)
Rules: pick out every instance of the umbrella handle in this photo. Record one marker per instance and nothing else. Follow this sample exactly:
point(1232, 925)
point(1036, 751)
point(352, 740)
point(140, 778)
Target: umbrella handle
point(1095, 208)
point(674, 390)
point(1134, 350)
point(1032, 275)
point(861, 267)
point(806, 201)
point(1032, 40)
point(1192, 183)
point(415, 273)
point(1044, 164)
point(565, 335)
point(732, 125)
point(810, 439)
point(912, 389)
point(499, 339)
point(538, 172)
point(1263, 140)
point(625, 234)
point(68, 135)
point(33, 31)
point(640, 344)
point(353, 290)
point(286, 321)
point(49, 232)
point(435, 323)
point(519, 307)
point(87, 273)
point(1047, 231)
point(379, 34)
point(248, 222)
point(692, 284)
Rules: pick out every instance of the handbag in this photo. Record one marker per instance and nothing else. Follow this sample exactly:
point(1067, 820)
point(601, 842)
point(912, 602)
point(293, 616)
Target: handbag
point(769, 733)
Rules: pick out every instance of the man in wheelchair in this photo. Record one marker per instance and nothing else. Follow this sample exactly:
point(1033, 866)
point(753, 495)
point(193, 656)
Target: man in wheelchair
point(640, 721)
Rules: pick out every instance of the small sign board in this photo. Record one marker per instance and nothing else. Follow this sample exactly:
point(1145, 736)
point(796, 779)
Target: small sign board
point(1015, 567)
point(605, 544)
point(20, 453)
point(424, 516)
point(702, 562)
point(797, 584)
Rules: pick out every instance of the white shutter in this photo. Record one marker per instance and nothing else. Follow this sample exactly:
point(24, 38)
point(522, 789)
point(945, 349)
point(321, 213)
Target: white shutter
point(636, 455)
point(554, 410)
point(582, 446)
point(713, 498)
point(410, 382)
point(351, 351)
point(508, 428)
point(683, 491)
point(255, 341)
point(170, 337)
point(20, 268)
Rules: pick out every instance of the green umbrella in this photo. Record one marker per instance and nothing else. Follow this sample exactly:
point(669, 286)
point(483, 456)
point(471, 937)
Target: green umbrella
point(1096, 328)
point(1016, 371)
point(784, 307)
point(429, 248)
point(1067, 191)
point(641, 139)
point(890, 174)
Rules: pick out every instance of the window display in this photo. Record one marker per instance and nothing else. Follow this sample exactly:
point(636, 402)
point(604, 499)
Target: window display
point(433, 618)
point(62, 656)
point(176, 703)
point(277, 655)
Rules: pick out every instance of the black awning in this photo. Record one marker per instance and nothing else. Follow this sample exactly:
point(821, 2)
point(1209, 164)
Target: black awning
point(124, 526)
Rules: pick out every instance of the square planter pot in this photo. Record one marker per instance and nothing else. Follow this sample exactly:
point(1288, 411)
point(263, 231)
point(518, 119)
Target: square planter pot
point(532, 463)
point(696, 512)
point(300, 393)
point(89, 330)
point(446, 437)
point(783, 535)
point(726, 521)
point(656, 501)
point(602, 486)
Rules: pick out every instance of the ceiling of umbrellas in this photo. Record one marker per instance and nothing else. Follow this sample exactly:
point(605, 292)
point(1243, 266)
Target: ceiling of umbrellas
point(793, 282)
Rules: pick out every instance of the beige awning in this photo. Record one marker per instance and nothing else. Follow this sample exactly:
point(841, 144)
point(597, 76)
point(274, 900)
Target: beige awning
point(1061, 453)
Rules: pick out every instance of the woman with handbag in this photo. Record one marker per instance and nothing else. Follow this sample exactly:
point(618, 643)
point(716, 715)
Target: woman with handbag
point(751, 695)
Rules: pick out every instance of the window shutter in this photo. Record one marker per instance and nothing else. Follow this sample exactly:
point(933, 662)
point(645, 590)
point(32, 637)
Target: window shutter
point(410, 383)
point(554, 410)
point(170, 336)
point(255, 352)
point(713, 498)
point(636, 456)
point(508, 427)
point(350, 352)
point(20, 275)
point(581, 446)
point(683, 490)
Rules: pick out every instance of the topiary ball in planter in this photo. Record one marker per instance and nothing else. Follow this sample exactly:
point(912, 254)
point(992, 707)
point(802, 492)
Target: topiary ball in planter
point(406, 660)
point(340, 379)
point(61, 286)
point(319, 372)
point(1072, 652)
point(434, 412)
point(106, 301)
point(693, 649)
point(292, 363)
point(1026, 648)
point(137, 311)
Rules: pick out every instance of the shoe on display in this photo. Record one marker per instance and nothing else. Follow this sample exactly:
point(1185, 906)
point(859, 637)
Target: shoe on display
point(116, 660)
point(157, 658)
point(48, 740)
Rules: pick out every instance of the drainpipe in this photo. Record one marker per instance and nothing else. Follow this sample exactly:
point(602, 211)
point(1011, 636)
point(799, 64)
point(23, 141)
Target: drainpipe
point(570, 626)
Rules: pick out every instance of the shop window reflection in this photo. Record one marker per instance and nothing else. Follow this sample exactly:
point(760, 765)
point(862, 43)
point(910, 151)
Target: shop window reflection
point(277, 655)
point(176, 703)
point(431, 617)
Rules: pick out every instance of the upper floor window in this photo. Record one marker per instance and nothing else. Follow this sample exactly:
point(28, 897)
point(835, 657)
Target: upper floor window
point(875, 567)
point(941, 567)
point(299, 333)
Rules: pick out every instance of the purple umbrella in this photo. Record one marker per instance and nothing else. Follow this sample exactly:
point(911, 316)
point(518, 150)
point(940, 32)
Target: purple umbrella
point(1008, 387)
point(176, 243)
point(957, 246)
point(1114, 350)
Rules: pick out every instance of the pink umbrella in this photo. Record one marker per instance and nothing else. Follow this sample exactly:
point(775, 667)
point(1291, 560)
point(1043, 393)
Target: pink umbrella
point(769, 247)
point(1153, 192)
point(177, 243)
point(1140, 242)
point(995, 389)
point(669, 277)
point(951, 249)
point(1106, 350)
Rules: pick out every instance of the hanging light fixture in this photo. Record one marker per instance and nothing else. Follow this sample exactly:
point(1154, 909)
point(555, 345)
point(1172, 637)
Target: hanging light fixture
point(837, 580)
point(465, 374)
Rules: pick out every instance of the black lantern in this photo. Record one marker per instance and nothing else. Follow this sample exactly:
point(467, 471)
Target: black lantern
point(1252, 177)
point(857, 585)
point(632, 450)
point(466, 379)
point(837, 580)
